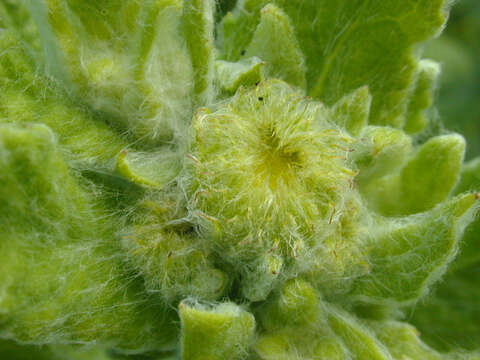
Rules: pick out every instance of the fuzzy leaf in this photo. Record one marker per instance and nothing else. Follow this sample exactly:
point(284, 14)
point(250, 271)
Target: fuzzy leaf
point(300, 345)
point(360, 340)
point(408, 256)
point(353, 110)
point(246, 72)
point(173, 265)
point(422, 97)
point(124, 59)
point(454, 306)
point(348, 44)
point(297, 304)
point(28, 98)
point(57, 258)
point(257, 283)
point(14, 15)
point(426, 180)
point(222, 332)
point(403, 341)
point(275, 43)
point(198, 19)
point(151, 169)
point(380, 151)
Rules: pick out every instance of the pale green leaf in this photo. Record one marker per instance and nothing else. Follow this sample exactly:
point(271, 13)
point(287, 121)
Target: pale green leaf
point(232, 75)
point(124, 59)
point(348, 44)
point(422, 96)
point(198, 20)
point(427, 179)
point(221, 332)
point(403, 340)
point(407, 256)
point(151, 169)
point(28, 98)
point(360, 340)
point(63, 280)
point(352, 111)
point(275, 43)
point(380, 151)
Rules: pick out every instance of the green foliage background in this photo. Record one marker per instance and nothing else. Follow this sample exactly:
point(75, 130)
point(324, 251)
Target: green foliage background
point(453, 305)
point(458, 50)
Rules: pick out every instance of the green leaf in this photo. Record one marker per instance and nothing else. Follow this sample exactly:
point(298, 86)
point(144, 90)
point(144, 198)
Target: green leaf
point(29, 98)
point(261, 277)
point(408, 255)
point(454, 306)
point(352, 111)
point(236, 29)
point(17, 66)
point(403, 341)
point(224, 331)
point(360, 340)
point(173, 265)
point(63, 279)
point(297, 304)
point(427, 179)
point(232, 75)
point(275, 43)
point(14, 15)
point(348, 44)
point(198, 20)
point(124, 59)
point(380, 151)
point(299, 344)
point(422, 96)
point(150, 169)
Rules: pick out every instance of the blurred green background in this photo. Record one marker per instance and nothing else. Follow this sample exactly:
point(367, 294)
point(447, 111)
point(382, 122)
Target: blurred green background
point(458, 50)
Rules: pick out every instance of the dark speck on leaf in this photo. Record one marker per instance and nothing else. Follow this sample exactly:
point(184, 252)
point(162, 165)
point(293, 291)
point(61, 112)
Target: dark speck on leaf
point(260, 98)
point(243, 52)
